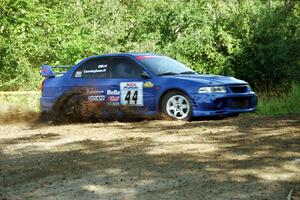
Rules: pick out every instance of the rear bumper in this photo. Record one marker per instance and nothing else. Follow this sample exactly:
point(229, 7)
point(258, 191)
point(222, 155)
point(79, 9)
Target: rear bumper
point(46, 103)
point(223, 104)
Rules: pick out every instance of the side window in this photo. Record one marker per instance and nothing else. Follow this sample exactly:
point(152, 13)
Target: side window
point(125, 68)
point(93, 68)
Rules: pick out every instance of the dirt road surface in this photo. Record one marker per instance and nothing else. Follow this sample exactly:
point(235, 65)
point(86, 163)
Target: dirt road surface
point(249, 157)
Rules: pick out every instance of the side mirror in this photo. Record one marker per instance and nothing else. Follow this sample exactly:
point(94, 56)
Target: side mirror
point(145, 75)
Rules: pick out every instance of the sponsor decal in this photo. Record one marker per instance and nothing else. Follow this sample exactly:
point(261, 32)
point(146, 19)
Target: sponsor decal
point(95, 92)
point(130, 85)
point(113, 98)
point(148, 84)
point(131, 93)
point(78, 74)
point(45, 69)
point(102, 66)
point(113, 92)
point(94, 71)
point(96, 98)
point(113, 103)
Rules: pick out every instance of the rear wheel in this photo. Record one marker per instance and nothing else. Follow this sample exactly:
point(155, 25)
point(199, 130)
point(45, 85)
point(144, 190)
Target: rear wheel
point(69, 108)
point(177, 105)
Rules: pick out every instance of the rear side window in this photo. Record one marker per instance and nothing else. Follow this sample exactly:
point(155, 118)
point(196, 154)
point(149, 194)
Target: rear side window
point(123, 67)
point(93, 68)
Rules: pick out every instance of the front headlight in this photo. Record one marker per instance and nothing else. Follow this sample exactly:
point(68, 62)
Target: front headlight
point(218, 89)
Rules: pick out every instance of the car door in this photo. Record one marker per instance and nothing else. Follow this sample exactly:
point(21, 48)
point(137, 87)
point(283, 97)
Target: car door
point(92, 76)
point(127, 82)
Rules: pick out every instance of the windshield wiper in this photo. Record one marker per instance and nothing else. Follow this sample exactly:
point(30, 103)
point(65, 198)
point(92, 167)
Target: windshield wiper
point(188, 72)
point(167, 73)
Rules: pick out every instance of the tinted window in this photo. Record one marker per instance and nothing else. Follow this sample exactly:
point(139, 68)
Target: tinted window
point(162, 64)
point(125, 68)
point(93, 68)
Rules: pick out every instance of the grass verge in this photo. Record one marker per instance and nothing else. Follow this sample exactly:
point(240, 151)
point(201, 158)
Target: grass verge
point(23, 100)
point(288, 104)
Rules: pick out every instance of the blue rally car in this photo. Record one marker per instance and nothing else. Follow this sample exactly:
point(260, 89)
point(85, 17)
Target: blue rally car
point(156, 84)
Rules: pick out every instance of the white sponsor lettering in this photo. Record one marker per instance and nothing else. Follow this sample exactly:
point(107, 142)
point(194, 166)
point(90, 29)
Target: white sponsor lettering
point(78, 74)
point(95, 92)
point(94, 71)
point(102, 66)
point(96, 98)
point(113, 92)
point(113, 103)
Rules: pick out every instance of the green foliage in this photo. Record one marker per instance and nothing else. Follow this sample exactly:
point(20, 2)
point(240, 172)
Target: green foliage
point(287, 104)
point(243, 38)
point(269, 58)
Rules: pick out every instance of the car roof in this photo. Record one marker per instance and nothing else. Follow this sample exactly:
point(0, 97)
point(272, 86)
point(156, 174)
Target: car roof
point(124, 54)
point(116, 55)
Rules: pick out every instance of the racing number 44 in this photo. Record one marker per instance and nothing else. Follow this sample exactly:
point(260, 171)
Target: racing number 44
point(131, 93)
point(134, 97)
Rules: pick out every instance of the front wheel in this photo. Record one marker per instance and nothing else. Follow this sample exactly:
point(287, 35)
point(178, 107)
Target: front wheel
point(177, 105)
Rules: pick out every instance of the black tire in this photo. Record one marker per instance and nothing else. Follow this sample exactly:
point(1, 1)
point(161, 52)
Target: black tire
point(165, 100)
point(45, 116)
point(69, 108)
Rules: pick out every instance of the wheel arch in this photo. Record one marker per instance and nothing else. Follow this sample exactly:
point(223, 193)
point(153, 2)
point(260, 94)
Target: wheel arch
point(166, 92)
point(66, 96)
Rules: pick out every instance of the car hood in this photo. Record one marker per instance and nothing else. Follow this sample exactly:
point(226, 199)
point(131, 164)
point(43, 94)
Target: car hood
point(211, 79)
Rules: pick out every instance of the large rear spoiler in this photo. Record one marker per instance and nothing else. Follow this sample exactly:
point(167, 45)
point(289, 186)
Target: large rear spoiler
point(47, 71)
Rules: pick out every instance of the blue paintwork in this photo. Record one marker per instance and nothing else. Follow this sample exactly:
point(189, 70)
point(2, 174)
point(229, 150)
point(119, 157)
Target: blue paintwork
point(208, 104)
point(47, 71)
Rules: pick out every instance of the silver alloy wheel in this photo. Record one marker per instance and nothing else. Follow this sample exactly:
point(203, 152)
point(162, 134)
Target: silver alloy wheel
point(178, 107)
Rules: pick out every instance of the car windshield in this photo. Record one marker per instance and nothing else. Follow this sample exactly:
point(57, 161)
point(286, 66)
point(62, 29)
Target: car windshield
point(162, 65)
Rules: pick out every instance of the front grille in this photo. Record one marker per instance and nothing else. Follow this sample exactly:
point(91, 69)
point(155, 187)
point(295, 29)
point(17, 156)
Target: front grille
point(239, 89)
point(240, 103)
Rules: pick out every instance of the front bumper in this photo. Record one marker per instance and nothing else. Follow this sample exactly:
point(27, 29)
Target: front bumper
point(213, 104)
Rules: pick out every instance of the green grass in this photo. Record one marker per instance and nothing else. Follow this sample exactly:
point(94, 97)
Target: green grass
point(28, 100)
point(288, 104)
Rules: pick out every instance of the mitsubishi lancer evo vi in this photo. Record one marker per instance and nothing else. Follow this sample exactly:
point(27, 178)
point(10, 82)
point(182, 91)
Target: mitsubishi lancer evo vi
point(157, 84)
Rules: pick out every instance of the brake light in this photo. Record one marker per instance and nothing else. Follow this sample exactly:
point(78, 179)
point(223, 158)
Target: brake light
point(42, 86)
